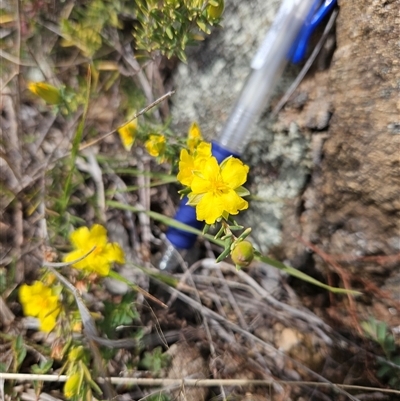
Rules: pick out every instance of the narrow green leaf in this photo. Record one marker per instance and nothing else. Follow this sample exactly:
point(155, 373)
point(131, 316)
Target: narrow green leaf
point(381, 331)
point(302, 276)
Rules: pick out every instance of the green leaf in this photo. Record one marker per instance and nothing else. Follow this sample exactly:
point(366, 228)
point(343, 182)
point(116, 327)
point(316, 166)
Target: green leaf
point(369, 328)
point(381, 331)
point(396, 360)
point(206, 228)
point(43, 367)
point(203, 27)
point(383, 370)
point(302, 276)
point(155, 360)
point(225, 253)
point(236, 228)
point(242, 191)
point(169, 32)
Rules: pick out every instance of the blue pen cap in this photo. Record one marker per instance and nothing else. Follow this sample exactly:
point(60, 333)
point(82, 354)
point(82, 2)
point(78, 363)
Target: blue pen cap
point(187, 214)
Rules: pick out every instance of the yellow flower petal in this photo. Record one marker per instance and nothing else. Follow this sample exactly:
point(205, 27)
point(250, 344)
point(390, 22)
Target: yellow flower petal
point(38, 301)
point(80, 237)
point(98, 235)
point(155, 145)
point(234, 172)
point(114, 253)
point(203, 150)
point(127, 134)
point(232, 202)
point(74, 255)
point(186, 167)
point(103, 254)
point(209, 209)
point(48, 320)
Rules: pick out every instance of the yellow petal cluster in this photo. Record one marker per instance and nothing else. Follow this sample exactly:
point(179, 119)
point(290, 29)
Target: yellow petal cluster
point(127, 133)
point(191, 162)
point(155, 145)
point(214, 189)
point(39, 301)
point(103, 255)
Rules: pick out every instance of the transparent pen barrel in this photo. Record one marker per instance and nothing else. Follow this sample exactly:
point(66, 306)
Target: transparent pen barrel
point(267, 67)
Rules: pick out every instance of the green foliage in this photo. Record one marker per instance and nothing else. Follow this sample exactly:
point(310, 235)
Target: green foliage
point(169, 26)
point(85, 26)
point(19, 352)
point(119, 314)
point(155, 360)
point(42, 368)
point(389, 368)
point(158, 397)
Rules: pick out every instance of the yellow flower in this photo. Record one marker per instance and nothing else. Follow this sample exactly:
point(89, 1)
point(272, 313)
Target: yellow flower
point(39, 301)
point(103, 255)
point(217, 190)
point(189, 163)
point(72, 385)
point(49, 93)
point(127, 133)
point(155, 145)
point(194, 137)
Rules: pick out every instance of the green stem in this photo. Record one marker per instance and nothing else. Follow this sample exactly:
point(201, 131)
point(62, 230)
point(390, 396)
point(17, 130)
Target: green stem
point(265, 259)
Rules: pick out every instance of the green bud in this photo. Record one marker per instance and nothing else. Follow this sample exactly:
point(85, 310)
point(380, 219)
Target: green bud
point(215, 12)
point(76, 353)
point(242, 254)
point(49, 93)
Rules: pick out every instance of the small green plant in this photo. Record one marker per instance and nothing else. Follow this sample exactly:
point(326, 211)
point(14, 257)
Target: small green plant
point(389, 368)
point(169, 26)
point(155, 360)
point(42, 368)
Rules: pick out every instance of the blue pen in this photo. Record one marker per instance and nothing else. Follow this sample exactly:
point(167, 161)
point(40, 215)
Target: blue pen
point(287, 38)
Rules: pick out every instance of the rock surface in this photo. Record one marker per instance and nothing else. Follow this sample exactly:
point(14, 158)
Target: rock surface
point(328, 168)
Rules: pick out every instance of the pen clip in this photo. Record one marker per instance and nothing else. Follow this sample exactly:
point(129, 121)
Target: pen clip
point(315, 17)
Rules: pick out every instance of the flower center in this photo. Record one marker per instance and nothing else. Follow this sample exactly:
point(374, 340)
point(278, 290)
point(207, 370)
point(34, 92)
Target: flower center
point(98, 250)
point(218, 187)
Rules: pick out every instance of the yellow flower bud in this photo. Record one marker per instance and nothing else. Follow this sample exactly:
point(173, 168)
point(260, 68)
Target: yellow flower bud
point(75, 354)
point(243, 254)
point(215, 12)
point(155, 145)
point(72, 385)
point(49, 93)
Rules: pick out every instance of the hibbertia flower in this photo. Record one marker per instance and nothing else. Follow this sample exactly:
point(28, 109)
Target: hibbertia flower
point(40, 301)
point(216, 190)
point(103, 254)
